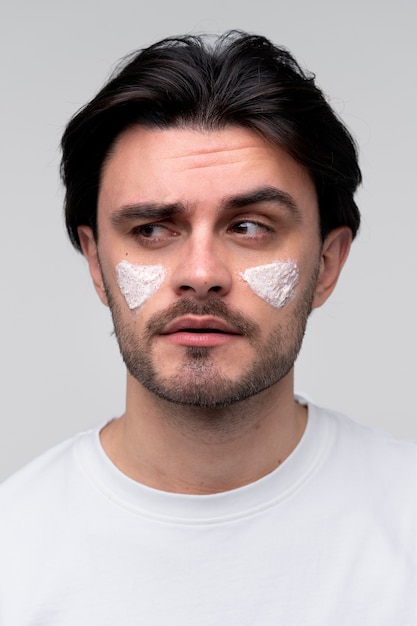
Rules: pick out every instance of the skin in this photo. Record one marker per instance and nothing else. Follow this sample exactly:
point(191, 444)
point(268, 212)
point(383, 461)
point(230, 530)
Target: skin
point(204, 247)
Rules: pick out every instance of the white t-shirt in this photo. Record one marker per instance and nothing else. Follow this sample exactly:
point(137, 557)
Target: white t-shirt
point(327, 539)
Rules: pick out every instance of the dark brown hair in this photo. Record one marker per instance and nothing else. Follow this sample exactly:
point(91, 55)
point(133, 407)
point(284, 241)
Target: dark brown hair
point(237, 79)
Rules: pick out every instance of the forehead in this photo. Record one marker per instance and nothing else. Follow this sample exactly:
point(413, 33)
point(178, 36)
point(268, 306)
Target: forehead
point(197, 167)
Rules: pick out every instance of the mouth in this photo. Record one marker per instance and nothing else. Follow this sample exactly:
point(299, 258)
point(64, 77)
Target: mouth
point(198, 324)
point(199, 331)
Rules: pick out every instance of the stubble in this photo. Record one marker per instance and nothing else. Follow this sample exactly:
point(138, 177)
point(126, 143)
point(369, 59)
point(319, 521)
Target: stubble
point(199, 380)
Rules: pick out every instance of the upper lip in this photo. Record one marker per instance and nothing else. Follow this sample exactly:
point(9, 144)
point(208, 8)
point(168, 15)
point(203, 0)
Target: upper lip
point(196, 323)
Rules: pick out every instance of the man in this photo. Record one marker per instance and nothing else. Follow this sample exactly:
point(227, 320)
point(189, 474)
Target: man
point(210, 187)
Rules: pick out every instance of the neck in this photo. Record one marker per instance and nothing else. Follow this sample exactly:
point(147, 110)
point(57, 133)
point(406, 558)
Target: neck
point(195, 450)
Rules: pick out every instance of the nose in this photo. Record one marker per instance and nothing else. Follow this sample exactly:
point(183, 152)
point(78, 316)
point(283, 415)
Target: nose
point(202, 270)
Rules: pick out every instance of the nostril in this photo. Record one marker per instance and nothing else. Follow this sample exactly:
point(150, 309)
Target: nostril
point(215, 288)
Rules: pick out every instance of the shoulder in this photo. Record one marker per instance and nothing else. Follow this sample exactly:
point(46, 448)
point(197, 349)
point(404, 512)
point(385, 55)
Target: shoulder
point(371, 444)
point(370, 462)
point(42, 480)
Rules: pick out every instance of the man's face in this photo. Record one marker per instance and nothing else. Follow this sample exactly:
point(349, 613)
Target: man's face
point(200, 209)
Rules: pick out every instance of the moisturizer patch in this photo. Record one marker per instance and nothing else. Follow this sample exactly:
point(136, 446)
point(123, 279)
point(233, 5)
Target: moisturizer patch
point(275, 283)
point(138, 282)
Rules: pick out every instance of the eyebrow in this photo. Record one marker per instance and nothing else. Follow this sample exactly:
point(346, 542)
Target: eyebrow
point(145, 211)
point(158, 211)
point(266, 194)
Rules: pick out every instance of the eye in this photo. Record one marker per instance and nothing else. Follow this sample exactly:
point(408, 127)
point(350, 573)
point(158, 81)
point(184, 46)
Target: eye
point(153, 233)
point(249, 228)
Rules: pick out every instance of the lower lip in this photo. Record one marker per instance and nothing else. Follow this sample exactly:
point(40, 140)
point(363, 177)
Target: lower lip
point(202, 340)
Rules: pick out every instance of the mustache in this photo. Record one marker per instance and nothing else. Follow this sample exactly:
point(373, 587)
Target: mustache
point(215, 307)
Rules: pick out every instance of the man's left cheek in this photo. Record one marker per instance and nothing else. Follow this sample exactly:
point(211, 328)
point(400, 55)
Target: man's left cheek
point(275, 282)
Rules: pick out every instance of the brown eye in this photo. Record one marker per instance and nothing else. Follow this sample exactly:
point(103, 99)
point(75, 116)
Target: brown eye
point(153, 234)
point(150, 230)
point(251, 229)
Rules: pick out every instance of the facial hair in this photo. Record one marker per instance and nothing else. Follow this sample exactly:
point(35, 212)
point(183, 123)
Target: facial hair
point(199, 380)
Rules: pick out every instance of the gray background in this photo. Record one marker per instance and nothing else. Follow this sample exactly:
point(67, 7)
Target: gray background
point(60, 368)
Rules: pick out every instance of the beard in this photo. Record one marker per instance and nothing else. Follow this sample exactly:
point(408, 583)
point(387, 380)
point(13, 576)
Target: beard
point(199, 380)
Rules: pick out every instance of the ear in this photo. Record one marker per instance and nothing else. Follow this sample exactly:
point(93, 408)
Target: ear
point(334, 252)
point(89, 249)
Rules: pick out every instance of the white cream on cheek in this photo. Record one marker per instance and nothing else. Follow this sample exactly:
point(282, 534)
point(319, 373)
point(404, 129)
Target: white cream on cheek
point(138, 282)
point(275, 282)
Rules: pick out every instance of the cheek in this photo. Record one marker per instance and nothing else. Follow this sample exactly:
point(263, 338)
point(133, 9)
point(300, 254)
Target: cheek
point(275, 282)
point(139, 282)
